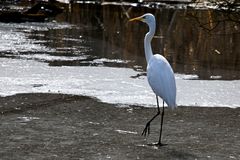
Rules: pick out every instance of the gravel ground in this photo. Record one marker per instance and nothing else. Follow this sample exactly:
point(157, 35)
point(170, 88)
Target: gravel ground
point(56, 126)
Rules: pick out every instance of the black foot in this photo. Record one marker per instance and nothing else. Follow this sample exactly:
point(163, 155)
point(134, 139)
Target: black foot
point(160, 144)
point(146, 130)
point(157, 144)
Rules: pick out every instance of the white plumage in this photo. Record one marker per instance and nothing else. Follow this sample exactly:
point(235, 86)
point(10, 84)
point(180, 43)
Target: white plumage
point(161, 79)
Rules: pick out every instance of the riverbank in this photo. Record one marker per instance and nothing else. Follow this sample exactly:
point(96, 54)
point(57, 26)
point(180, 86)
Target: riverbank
point(55, 126)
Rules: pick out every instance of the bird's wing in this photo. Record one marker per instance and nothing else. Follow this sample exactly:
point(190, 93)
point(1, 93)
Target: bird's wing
point(161, 79)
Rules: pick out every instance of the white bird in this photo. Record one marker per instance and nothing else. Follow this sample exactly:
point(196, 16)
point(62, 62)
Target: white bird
point(159, 74)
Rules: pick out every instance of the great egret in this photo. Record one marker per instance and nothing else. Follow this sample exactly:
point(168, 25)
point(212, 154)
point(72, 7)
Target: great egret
point(159, 74)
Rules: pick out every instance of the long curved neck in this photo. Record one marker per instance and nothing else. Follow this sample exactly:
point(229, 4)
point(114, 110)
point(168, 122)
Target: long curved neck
point(147, 42)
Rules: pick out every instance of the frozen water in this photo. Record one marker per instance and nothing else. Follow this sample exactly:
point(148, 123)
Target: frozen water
point(14, 37)
point(13, 42)
point(23, 71)
point(112, 85)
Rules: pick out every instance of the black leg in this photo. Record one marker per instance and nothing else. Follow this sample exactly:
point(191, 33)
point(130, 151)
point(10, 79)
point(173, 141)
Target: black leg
point(160, 137)
point(147, 127)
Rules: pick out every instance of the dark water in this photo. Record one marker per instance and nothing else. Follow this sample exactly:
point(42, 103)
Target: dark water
point(101, 35)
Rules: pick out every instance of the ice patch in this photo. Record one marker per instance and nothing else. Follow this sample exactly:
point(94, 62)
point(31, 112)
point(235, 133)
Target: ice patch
point(14, 42)
point(125, 132)
point(47, 57)
point(112, 85)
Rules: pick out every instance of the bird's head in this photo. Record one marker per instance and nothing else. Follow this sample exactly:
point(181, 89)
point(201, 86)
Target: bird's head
point(146, 18)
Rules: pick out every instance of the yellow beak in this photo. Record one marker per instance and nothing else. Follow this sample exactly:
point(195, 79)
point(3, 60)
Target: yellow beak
point(136, 19)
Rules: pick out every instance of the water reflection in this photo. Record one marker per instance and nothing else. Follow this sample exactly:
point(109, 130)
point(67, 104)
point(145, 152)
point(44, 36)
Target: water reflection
point(188, 47)
point(89, 34)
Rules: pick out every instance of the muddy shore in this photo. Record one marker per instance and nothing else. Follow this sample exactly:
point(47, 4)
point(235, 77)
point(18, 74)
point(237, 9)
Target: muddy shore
point(55, 126)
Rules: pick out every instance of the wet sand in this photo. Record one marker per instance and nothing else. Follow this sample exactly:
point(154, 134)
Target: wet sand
point(55, 126)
